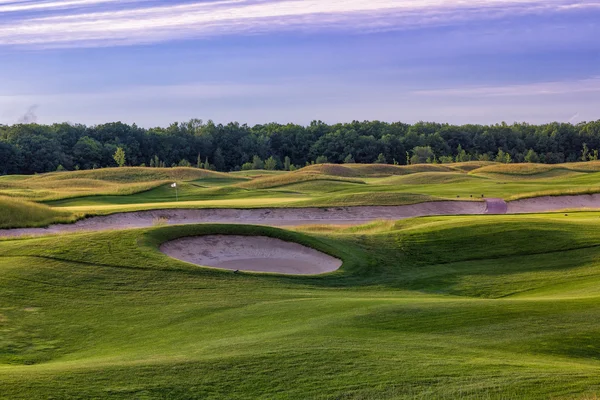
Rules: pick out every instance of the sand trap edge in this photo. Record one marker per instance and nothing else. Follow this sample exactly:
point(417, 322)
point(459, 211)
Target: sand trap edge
point(256, 254)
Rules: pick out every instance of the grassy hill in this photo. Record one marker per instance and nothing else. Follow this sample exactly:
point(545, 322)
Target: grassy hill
point(20, 213)
point(443, 307)
point(128, 189)
point(108, 181)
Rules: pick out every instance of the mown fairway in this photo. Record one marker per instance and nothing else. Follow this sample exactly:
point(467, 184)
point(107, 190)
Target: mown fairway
point(486, 307)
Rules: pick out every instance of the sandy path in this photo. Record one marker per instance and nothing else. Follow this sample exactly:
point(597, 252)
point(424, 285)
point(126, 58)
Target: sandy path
point(554, 203)
point(272, 217)
point(496, 206)
point(281, 217)
point(251, 253)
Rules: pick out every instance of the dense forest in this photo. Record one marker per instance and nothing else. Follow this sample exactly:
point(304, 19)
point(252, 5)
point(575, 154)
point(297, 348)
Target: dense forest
point(34, 148)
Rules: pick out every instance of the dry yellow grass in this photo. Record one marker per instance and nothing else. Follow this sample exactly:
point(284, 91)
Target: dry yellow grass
point(518, 169)
point(471, 165)
point(370, 228)
point(21, 213)
point(539, 170)
point(428, 178)
point(373, 170)
point(227, 203)
point(108, 181)
point(293, 178)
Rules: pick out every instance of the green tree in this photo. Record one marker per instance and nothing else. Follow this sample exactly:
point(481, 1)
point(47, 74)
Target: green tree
point(462, 155)
point(503, 157)
point(199, 161)
point(532, 157)
point(271, 164)
point(321, 160)
point(87, 152)
point(219, 160)
point(381, 159)
point(287, 162)
point(585, 152)
point(9, 159)
point(349, 159)
point(422, 155)
point(257, 163)
point(184, 163)
point(119, 156)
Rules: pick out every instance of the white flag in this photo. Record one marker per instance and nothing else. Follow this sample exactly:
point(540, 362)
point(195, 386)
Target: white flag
point(174, 185)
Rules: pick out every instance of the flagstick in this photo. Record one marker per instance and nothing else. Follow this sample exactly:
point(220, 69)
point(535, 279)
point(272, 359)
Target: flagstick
point(174, 185)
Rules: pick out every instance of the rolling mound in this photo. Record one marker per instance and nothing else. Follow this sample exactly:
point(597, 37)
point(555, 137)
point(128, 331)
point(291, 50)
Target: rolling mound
point(321, 186)
point(251, 253)
point(590, 166)
point(372, 170)
point(133, 174)
point(429, 178)
point(469, 166)
point(499, 307)
point(526, 171)
point(293, 178)
point(19, 213)
point(371, 198)
point(108, 181)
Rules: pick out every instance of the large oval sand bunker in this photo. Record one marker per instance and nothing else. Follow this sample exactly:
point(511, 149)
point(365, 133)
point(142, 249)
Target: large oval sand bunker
point(251, 253)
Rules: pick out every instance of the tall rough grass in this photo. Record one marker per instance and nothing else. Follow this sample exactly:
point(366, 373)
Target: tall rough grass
point(21, 213)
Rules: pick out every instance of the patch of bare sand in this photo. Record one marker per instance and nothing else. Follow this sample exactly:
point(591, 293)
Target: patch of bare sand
point(554, 203)
point(251, 253)
point(278, 217)
point(496, 206)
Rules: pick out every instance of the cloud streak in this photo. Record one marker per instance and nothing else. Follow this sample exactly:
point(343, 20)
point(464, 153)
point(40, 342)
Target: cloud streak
point(91, 23)
point(13, 7)
point(591, 85)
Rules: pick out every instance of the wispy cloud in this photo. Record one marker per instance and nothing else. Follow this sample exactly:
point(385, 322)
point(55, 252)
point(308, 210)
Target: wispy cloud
point(111, 22)
point(591, 85)
point(20, 6)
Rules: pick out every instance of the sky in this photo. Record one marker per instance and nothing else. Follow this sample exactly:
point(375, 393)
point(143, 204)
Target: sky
point(256, 61)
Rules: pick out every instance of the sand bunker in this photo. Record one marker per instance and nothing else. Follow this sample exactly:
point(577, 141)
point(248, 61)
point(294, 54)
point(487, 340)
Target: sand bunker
point(554, 203)
point(251, 253)
point(496, 206)
point(278, 217)
point(281, 217)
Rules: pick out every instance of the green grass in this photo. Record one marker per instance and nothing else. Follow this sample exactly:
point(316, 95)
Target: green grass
point(20, 213)
point(166, 194)
point(366, 199)
point(130, 189)
point(481, 307)
point(292, 178)
point(108, 181)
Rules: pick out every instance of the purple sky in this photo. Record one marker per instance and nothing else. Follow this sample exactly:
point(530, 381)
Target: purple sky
point(254, 61)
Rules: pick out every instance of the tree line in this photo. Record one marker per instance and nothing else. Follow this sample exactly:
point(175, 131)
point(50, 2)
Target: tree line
point(35, 148)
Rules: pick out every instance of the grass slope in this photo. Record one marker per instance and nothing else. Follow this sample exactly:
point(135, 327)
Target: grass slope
point(20, 213)
point(130, 189)
point(453, 308)
point(108, 181)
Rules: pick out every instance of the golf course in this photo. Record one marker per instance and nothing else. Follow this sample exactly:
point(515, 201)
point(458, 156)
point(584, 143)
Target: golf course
point(474, 280)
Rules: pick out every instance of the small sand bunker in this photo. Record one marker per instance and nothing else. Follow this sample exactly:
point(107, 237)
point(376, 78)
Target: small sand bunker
point(251, 253)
